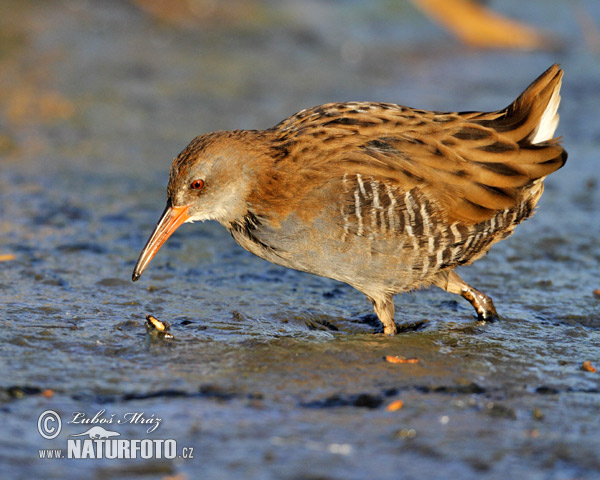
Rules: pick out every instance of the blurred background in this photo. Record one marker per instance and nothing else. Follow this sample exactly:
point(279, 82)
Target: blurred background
point(274, 373)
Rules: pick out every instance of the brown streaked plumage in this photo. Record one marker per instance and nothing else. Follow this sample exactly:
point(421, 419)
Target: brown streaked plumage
point(383, 197)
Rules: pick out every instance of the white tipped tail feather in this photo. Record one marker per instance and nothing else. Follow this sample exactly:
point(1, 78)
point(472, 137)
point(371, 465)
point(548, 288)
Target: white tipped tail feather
point(544, 132)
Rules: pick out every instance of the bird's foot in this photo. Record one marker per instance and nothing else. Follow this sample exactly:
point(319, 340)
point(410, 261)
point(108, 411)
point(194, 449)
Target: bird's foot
point(484, 306)
point(488, 316)
point(390, 328)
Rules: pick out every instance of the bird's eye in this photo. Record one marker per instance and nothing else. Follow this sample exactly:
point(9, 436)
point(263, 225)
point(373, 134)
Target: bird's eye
point(197, 184)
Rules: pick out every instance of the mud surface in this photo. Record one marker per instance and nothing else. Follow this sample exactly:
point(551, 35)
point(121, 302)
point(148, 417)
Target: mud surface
point(274, 373)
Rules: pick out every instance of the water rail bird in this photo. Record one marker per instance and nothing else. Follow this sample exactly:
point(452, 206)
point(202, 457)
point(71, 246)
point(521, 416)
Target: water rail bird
point(383, 197)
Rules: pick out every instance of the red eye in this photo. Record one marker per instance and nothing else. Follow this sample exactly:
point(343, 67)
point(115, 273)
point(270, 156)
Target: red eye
point(197, 184)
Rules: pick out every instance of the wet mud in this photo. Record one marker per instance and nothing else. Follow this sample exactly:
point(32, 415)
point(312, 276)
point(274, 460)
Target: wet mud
point(273, 373)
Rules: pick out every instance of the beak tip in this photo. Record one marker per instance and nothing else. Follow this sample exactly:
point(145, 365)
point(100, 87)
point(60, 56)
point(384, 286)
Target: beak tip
point(171, 218)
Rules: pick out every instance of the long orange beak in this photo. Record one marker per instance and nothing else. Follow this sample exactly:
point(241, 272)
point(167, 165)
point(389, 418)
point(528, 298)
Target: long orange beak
point(170, 220)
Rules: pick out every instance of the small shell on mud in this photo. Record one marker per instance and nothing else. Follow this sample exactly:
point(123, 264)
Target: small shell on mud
point(158, 328)
point(588, 367)
point(48, 393)
point(395, 405)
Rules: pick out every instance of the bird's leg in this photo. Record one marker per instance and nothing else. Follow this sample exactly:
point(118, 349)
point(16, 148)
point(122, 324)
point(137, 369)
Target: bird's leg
point(384, 308)
point(483, 304)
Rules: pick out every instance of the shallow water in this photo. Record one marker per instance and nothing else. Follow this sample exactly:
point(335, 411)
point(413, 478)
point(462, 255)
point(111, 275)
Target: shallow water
point(275, 373)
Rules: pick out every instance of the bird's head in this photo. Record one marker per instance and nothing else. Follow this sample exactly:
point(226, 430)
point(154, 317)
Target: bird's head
point(209, 180)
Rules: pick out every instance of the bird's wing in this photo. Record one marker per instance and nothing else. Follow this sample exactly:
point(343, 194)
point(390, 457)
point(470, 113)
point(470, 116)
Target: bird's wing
point(471, 165)
point(469, 171)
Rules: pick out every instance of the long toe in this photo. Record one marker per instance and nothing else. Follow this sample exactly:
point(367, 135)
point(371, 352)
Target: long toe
point(489, 315)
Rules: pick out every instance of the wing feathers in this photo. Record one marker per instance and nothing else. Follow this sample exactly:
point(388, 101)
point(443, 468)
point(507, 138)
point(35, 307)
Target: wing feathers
point(471, 164)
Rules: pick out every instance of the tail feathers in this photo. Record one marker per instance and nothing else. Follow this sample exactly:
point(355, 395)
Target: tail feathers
point(536, 109)
point(532, 118)
point(539, 104)
point(523, 151)
point(529, 123)
point(546, 127)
